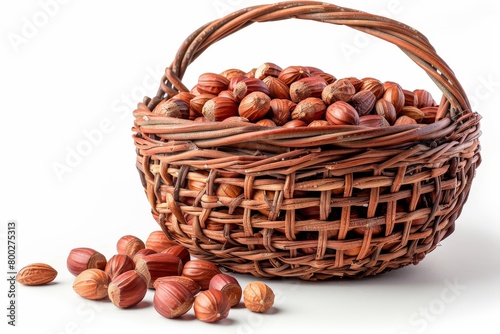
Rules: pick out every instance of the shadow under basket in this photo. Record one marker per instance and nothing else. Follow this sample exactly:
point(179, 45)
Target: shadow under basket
point(314, 203)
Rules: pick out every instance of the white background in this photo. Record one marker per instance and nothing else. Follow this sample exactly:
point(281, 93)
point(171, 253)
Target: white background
point(83, 69)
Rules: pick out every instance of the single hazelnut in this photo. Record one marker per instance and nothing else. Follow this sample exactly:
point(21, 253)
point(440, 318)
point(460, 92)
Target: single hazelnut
point(385, 109)
point(342, 113)
point(119, 264)
point(293, 73)
point(363, 101)
point(309, 109)
point(173, 108)
point(412, 112)
point(127, 289)
point(254, 106)
point(357, 83)
point(212, 83)
point(211, 306)
point(231, 73)
point(373, 121)
point(228, 190)
point(229, 95)
point(196, 104)
point(158, 241)
point(180, 251)
point(266, 70)
point(318, 123)
point(220, 108)
point(200, 271)
point(429, 114)
point(395, 95)
point(316, 72)
point(264, 199)
point(172, 299)
point(92, 284)
point(281, 109)
point(249, 85)
point(235, 119)
point(340, 90)
point(294, 123)
point(424, 98)
point(277, 88)
point(129, 245)
point(266, 122)
point(186, 281)
point(405, 120)
point(141, 253)
point(158, 265)
point(373, 85)
point(258, 297)
point(411, 98)
point(82, 258)
point(228, 285)
point(307, 87)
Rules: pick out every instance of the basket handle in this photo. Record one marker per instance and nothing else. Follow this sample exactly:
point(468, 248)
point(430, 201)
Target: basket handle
point(410, 41)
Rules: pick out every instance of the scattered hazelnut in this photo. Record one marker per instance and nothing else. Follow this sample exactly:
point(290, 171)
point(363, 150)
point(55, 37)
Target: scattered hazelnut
point(186, 281)
point(200, 271)
point(172, 299)
point(180, 251)
point(129, 245)
point(211, 306)
point(92, 284)
point(127, 289)
point(228, 285)
point(158, 241)
point(82, 258)
point(158, 265)
point(258, 297)
point(118, 264)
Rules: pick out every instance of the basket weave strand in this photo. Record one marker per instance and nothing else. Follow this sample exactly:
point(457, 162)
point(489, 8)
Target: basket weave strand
point(410, 182)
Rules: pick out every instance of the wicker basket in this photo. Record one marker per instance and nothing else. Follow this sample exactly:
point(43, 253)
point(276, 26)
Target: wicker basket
point(337, 170)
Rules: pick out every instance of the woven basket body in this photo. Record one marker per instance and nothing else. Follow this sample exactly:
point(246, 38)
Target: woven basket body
point(407, 183)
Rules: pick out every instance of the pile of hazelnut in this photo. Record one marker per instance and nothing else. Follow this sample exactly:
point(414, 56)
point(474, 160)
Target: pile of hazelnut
point(298, 96)
point(179, 282)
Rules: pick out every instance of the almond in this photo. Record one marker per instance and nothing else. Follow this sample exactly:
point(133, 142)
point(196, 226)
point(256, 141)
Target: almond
point(36, 274)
